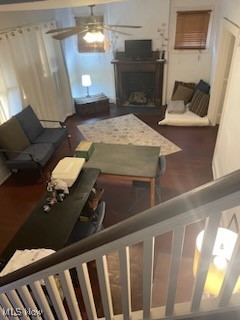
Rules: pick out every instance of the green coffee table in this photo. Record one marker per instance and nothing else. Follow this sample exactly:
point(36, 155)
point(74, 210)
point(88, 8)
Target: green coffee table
point(126, 162)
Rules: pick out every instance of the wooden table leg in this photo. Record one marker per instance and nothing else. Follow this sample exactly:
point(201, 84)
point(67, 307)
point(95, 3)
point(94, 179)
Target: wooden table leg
point(152, 192)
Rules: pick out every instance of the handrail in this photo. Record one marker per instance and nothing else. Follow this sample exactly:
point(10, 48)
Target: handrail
point(203, 195)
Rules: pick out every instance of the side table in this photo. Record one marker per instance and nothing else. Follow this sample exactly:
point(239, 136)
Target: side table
point(92, 104)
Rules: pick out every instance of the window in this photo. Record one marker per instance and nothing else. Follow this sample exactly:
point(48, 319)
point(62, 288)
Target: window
point(84, 46)
point(192, 29)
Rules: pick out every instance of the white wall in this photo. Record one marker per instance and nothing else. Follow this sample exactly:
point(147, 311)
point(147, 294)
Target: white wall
point(152, 15)
point(149, 14)
point(189, 65)
point(13, 19)
point(96, 64)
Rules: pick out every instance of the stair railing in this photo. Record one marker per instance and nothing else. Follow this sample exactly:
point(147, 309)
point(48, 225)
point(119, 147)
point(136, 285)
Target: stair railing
point(78, 282)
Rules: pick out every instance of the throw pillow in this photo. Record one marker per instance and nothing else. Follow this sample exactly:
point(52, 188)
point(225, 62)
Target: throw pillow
point(176, 106)
point(190, 85)
point(203, 86)
point(30, 123)
point(199, 103)
point(12, 137)
point(183, 93)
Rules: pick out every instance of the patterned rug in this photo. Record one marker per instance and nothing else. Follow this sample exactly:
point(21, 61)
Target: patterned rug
point(127, 129)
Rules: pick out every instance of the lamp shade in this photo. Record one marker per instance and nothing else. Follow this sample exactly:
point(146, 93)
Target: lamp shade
point(86, 80)
point(221, 255)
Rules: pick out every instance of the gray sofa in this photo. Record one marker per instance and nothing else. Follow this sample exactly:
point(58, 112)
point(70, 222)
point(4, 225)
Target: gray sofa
point(26, 144)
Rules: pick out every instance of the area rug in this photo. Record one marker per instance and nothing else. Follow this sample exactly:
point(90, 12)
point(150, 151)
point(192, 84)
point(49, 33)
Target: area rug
point(127, 129)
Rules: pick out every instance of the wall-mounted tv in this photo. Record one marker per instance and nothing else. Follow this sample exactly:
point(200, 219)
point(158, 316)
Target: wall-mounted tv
point(138, 49)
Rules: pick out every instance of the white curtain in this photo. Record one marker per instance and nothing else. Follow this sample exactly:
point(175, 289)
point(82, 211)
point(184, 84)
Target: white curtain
point(32, 71)
point(10, 93)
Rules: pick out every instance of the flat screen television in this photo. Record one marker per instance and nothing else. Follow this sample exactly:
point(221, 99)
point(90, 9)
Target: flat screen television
point(138, 49)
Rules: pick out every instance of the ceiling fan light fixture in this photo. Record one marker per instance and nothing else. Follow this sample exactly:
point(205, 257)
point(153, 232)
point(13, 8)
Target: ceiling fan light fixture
point(90, 27)
point(94, 36)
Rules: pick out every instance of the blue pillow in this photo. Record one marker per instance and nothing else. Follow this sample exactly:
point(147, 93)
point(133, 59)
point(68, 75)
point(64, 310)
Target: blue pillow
point(203, 87)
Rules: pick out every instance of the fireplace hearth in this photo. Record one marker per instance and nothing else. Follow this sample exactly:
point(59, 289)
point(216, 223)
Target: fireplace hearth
point(138, 82)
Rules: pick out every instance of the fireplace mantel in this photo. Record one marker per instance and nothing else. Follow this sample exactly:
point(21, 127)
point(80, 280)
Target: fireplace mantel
point(123, 68)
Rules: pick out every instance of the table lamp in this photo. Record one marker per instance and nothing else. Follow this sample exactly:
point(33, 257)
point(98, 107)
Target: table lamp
point(86, 82)
point(221, 255)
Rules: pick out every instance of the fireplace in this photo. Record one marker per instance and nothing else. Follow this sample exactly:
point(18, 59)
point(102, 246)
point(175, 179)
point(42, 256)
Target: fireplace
point(139, 84)
point(141, 79)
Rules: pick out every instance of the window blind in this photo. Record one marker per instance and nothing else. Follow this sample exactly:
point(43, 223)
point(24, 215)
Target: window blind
point(192, 29)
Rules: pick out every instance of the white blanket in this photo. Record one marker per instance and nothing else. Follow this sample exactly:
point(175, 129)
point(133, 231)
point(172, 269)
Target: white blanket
point(187, 118)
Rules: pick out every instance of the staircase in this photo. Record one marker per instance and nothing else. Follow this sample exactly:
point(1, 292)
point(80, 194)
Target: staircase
point(76, 282)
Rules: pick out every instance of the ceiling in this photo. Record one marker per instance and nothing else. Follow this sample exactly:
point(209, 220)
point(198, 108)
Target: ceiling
point(24, 5)
point(15, 1)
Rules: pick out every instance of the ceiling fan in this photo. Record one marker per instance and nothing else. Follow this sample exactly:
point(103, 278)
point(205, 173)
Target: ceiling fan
point(92, 26)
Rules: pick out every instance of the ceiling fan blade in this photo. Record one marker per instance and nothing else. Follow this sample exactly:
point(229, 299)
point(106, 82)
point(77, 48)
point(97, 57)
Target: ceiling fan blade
point(115, 31)
point(62, 29)
point(94, 24)
point(122, 26)
point(64, 35)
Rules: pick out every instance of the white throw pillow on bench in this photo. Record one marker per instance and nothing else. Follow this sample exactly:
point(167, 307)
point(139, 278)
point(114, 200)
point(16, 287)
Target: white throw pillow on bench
point(176, 106)
point(68, 169)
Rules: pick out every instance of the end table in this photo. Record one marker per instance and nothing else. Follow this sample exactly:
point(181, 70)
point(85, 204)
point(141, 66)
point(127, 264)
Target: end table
point(92, 104)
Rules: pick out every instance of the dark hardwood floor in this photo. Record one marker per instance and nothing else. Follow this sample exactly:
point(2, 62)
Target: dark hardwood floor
point(186, 170)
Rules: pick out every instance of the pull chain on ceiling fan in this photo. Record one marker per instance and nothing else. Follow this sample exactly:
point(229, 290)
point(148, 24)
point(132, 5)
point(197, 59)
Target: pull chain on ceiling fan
point(92, 29)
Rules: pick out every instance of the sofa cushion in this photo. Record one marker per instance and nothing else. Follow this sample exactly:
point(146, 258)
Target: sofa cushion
point(12, 137)
point(30, 123)
point(183, 93)
point(41, 152)
point(52, 135)
point(199, 103)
